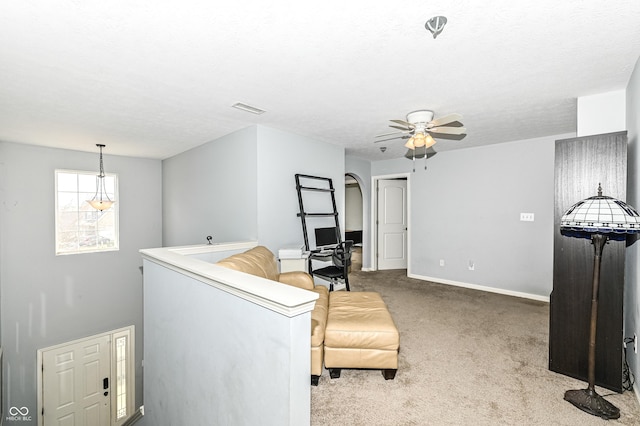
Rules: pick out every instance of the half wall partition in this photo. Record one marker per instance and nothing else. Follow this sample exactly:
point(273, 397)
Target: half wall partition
point(221, 346)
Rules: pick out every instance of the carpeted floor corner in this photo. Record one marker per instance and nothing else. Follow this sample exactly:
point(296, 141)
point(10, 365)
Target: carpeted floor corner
point(466, 358)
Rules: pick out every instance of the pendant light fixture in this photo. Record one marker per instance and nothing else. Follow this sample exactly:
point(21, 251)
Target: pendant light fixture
point(101, 200)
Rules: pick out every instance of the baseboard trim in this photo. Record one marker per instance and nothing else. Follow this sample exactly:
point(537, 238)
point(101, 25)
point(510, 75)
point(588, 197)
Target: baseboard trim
point(481, 288)
point(133, 419)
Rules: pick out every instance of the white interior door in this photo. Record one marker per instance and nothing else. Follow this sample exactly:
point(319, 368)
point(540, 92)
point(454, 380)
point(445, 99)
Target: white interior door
point(392, 224)
point(75, 384)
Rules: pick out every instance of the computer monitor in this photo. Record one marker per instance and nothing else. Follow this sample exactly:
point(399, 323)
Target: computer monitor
point(326, 237)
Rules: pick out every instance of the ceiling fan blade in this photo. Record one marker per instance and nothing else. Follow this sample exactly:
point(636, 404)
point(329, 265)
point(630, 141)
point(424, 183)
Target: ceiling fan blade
point(445, 119)
point(404, 129)
point(394, 138)
point(403, 123)
point(392, 133)
point(448, 130)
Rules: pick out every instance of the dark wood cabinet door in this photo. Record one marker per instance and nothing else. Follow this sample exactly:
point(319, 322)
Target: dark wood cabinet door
point(581, 164)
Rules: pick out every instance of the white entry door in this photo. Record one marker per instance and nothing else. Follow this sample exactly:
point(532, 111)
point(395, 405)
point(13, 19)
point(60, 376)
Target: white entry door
point(76, 388)
point(392, 224)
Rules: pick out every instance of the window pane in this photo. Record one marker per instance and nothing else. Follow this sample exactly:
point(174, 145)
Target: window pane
point(87, 183)
point(83, 201)
point(109, 184)
point(121, 377)
point(67, 201)
point(67, 241)
point(67, 182)
point(67, 221)
point(79, 227)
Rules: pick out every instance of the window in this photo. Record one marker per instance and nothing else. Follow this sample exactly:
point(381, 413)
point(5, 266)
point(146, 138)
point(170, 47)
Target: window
point(123, 374)
point(79, 227)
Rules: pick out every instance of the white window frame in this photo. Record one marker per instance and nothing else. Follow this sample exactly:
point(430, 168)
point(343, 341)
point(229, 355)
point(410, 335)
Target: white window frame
point(84, 209)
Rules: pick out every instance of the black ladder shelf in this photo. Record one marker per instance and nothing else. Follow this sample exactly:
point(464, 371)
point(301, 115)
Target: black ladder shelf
point(324, 185)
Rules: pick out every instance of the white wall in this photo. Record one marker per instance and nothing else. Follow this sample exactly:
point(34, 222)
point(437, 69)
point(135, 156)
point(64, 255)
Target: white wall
point(632, 272)
point(211, 190)
point(601, 113)
point(212, 357)
point(466, 207)
point(280, 156)
point(353, 208)
point(48, 299)
point(242, 187)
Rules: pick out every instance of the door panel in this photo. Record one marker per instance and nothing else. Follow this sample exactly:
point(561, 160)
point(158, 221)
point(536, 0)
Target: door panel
point(392, 224)
point(394, 246)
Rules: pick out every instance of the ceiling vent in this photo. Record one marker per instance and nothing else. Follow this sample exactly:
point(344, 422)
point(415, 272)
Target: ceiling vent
point(248, 108)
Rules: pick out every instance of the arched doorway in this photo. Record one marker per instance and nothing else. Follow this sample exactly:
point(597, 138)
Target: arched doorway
point(354, 217)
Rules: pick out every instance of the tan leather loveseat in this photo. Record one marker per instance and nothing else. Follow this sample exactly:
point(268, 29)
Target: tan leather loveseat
point(261, 262)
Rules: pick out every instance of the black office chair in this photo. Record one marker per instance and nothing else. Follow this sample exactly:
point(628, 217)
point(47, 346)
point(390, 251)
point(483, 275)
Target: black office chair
point(341, 259)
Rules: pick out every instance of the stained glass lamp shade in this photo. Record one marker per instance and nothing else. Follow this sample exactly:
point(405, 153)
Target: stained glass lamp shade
point(599, 218)
point(600, 214)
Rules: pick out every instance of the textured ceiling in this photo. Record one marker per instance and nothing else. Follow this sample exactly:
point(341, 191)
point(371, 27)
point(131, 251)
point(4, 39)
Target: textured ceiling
point(155, 78)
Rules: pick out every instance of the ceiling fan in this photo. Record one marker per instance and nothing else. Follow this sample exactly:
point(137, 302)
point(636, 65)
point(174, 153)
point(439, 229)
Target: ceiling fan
point(420, 126)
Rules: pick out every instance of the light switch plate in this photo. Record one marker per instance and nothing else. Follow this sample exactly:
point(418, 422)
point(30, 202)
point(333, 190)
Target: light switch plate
point(526, 217)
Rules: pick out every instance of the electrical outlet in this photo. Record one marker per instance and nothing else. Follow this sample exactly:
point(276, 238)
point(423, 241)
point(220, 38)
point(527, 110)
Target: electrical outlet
point(472, 266)
point(441, 262)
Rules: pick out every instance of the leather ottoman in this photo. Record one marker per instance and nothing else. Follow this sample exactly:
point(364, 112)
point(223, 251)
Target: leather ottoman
point(360, 333)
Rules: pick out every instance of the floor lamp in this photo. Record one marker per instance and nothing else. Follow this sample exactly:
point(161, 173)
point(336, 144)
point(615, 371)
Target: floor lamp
point(599, 218)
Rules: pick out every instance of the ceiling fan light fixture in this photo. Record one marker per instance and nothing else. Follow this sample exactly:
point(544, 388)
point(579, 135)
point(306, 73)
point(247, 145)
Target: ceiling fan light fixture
point(418, 128)
point(429, 141)
point(419, 140)
point(410, 144)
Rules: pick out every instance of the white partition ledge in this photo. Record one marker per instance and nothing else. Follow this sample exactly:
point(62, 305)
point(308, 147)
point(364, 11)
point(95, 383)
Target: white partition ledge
point(222, 347)
point(284, 299)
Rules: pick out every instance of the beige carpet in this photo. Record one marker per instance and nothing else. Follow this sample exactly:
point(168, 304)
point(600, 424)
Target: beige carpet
point(466, 358)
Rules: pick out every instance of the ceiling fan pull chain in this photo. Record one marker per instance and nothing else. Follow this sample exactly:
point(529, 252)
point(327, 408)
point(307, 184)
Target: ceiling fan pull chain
point(414, 160)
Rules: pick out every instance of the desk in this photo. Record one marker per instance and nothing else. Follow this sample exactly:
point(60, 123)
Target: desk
point(295, 264)
point(324, 255)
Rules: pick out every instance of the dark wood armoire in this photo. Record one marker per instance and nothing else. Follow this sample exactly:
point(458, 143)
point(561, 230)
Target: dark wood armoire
point(580, 165)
